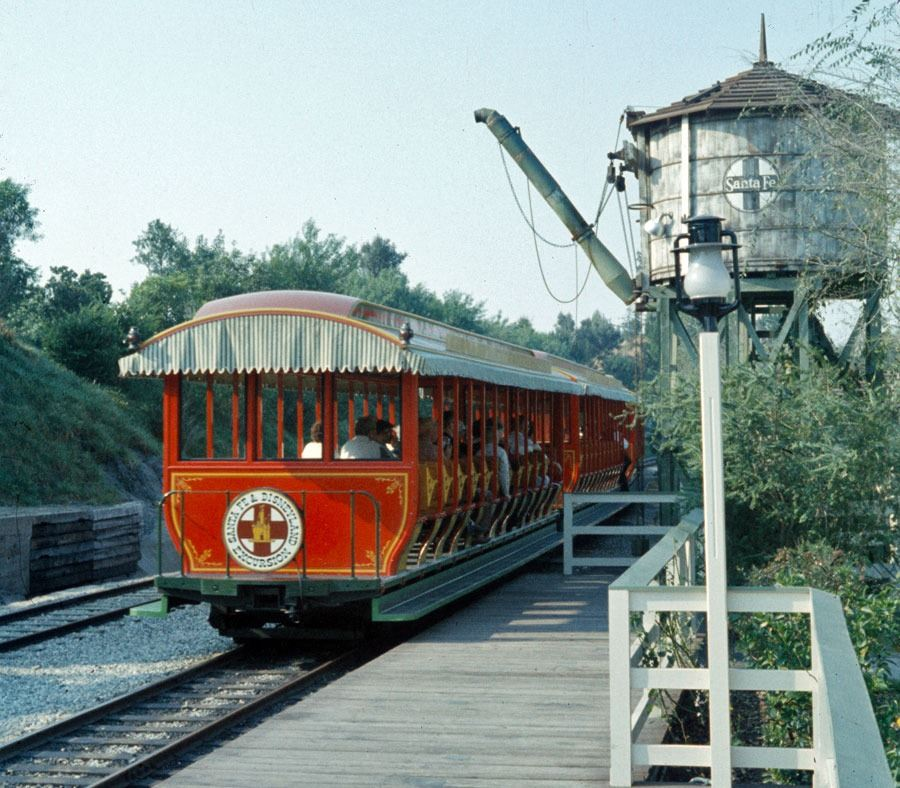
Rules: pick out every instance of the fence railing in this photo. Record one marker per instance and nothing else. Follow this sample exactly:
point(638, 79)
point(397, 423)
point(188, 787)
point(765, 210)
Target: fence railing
point(571, 531)
point(846, 746)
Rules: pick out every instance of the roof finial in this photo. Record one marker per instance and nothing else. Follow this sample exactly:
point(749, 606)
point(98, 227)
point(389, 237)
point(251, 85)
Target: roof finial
point(763, 55)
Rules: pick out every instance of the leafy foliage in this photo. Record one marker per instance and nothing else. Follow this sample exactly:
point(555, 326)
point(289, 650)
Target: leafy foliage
point(86, 340)
point(68, 291)
point(774, 640)
point(18, 221)
point(809, 454)
point(181, 279)
point(853, 136)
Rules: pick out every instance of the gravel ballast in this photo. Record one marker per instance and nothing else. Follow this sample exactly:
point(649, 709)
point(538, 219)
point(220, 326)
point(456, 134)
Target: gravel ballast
point(49, 681)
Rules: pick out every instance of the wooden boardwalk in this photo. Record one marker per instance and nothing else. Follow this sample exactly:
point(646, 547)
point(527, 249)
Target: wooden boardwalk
point(510, 691)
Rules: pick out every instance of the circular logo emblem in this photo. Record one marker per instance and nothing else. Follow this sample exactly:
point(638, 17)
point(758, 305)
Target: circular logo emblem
point(263, 530)
point(751, 183)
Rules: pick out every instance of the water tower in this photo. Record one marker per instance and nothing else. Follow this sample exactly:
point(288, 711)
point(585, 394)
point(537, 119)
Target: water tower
point(746, 149)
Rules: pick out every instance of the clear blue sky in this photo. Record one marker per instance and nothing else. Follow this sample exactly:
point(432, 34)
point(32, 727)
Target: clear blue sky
point(252, 116)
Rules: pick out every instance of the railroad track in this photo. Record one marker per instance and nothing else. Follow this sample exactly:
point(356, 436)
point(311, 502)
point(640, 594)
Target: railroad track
point(51, 619)
point(125, 739)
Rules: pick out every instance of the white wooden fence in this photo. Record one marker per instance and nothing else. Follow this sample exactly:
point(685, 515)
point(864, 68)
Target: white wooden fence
point(571, 531)
point(846, 747)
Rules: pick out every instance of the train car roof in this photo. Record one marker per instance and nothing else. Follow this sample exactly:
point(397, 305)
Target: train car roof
point(311, 332)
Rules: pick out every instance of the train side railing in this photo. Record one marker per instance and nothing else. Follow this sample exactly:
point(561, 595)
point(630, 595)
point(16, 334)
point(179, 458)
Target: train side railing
point(846, 746)
point(301, 497)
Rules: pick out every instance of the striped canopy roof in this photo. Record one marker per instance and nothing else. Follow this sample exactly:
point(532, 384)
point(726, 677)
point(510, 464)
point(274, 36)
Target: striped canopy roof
point(303, 331)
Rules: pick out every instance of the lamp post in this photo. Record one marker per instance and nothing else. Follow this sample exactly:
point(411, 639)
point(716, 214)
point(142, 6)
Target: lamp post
point(703, 294)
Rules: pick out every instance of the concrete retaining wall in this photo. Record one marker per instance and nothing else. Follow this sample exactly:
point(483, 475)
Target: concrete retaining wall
point(44, 549)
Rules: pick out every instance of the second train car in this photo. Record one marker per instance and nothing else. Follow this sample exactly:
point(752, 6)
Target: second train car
point(329, 462)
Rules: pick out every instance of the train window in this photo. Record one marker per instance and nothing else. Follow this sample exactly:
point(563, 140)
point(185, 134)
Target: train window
point(289, 416)
point(366, 400)
point(212, 418)
point(429, 422)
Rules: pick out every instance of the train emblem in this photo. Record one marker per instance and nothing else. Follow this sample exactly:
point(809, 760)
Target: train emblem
point(263, 530)
point(751, 183)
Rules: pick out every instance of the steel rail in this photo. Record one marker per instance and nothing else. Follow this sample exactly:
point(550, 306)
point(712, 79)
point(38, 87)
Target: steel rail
point(153, 760)
point(44, 630)
point(75, 752)
point(29, 741)
point(61, 604)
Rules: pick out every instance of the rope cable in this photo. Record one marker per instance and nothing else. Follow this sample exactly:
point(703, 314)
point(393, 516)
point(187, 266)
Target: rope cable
point(522, 211)
point(629, 252)
point(634, 251)
point(537, 252)
point(604, 197)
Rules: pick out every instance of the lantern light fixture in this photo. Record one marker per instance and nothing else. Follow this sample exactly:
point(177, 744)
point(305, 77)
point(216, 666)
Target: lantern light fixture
point(703, 291)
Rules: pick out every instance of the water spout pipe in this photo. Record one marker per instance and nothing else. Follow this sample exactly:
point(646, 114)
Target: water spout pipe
point(611, 271)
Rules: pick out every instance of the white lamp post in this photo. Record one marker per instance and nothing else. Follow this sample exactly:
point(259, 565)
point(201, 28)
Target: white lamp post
point(703, 294)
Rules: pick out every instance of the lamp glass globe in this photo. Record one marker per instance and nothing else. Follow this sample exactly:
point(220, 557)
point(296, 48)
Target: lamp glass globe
point(706, 277)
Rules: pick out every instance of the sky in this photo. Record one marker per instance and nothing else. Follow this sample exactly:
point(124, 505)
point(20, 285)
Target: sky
point(251, 116)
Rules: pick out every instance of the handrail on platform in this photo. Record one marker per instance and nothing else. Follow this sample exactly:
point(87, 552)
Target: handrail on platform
point(846, 747)
point(570, 530)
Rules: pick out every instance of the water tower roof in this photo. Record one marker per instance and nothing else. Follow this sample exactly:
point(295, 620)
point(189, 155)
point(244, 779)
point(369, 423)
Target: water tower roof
point(764, 86)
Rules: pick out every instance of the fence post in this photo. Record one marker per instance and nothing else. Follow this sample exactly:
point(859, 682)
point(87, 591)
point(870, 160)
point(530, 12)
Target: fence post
point(619, 689)
point(568, 537)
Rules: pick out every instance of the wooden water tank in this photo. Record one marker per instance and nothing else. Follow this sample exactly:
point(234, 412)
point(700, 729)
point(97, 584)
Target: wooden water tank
point(747, 150)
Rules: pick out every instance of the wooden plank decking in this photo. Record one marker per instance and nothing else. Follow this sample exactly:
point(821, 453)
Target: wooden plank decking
point(510, 691)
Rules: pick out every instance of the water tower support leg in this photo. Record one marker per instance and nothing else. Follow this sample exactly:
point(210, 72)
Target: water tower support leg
point(803, 336)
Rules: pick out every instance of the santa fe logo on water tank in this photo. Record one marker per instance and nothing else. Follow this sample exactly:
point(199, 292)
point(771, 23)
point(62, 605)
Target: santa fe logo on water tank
point(751, 183)
point(263, 530)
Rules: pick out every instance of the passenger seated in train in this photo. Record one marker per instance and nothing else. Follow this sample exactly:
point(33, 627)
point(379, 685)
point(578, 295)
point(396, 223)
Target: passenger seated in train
point(363, 445)
point(390, 443)
point(503, 469)
point(449, 441)
point(428, 440)
point(313, 448)
point(521, 441)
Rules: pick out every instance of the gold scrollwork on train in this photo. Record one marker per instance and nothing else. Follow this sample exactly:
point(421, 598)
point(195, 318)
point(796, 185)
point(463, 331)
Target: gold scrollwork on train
point(198, 559)
point(392, 485)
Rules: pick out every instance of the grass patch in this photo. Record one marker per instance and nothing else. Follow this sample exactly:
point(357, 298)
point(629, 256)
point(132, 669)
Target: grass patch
point(61, 434)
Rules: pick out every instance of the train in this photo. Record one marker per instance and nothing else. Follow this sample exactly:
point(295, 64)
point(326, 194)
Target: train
point(331, 463)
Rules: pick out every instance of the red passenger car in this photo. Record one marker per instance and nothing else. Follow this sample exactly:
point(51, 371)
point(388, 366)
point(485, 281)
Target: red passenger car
point(330, 461)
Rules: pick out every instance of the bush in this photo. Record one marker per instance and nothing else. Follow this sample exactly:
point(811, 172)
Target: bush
point(774, 640)
point(809, 454)
point(88, 341)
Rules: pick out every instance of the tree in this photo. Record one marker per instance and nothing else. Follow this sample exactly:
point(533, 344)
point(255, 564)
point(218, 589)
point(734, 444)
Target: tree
point(380, 255)
point(519, 332)
point(809, 455)
point(562, 337)
point(75, 324)
point(182, 279)
point(595, 338)
point(306, 262)
point(67, 291)
point(161, 249)
point(87, 340)
point(18, 222)
point(853, 128)
point(463, 311)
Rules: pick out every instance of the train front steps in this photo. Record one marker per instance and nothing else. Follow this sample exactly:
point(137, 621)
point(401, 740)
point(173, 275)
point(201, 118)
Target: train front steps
point(158, 608)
